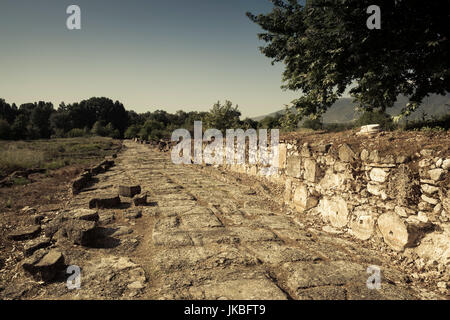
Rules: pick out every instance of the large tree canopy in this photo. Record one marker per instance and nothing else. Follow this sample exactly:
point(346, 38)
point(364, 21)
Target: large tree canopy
point(327, 48)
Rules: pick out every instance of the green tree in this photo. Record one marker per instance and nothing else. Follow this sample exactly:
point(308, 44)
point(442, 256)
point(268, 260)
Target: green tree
point(289, 120)
point(313, 123)
point(151, 130)
point(327, 48)
point(99, 129)
point(223, 117)
point(5, 130)
point(7, 111)
point(132, 131)
point(249, 124)
point(19, 127)
point(270, 122)
point(40, 119)
point(111, 131)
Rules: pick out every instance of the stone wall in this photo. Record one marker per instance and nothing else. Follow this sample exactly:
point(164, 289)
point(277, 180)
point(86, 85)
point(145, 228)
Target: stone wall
point(404, 201)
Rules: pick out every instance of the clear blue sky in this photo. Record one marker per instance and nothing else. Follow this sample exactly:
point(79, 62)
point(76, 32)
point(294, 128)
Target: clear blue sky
point(171, 55)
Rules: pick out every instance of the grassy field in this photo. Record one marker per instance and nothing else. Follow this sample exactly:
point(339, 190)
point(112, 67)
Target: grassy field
point(53, 154)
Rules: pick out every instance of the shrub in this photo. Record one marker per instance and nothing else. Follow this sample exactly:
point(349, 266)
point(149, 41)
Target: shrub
point(14, 158)
point(315, 124)
point(74, 133)
point(5, 130)
point(132, 132)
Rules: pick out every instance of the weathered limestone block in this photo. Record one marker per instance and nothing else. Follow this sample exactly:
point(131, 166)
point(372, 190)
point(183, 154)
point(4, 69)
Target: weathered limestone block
point(436, 174)
point(329, 160)
point(425, 163)
point(346, 154)
point(106, 202)
point(378, 175)
point(446, 164)
point(293, 167)
point(106, 164)
point(282, 155)
point(341, 166)
point(303, 200)
point(132, 214)
point(362, 225)
point(36, 244)
point(377, 190)
point(97, 169)
point(399, 234)
point(364, 155)
point(43, 265)
point(81, 182)
point(25, 233)
point(426, 152)
point(334, 210)
point(403, 211)
point(429, 200)
point(401, 159)
point(369, 129)
point(429, 188)
point(140, 200)
point(85, 214)
point(323, 148)
point(288, 191)
point(80, 232)
point(311, 170)
point(374, 156)
point(333, 181)
point(129, 191)
point(305, 152)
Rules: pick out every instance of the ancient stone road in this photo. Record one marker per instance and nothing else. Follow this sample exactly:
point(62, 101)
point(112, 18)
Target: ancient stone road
point(204, 238)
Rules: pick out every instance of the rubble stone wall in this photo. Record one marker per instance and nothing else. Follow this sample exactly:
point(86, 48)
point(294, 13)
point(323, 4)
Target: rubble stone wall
point(401, 200)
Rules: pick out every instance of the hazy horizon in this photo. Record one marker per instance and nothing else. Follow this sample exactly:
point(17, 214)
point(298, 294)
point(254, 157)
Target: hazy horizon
point(147, 54)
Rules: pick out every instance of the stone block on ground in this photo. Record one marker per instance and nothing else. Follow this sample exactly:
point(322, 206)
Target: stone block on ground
point(362, 226)
point(133, 214)
point(85, 214)
point(303, 200)
point(36, 244)
point(81, 182)
point(400, 234)
point(25, 233)
point(129, 191)
point(78, 231)
point(44, 265)
point(293, 167)
point(334, 210)
point(105, 202)
point(346, 154)
point(140, 200)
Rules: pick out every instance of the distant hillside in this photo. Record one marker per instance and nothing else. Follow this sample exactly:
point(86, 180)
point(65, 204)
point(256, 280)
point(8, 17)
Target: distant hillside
point(344, 109)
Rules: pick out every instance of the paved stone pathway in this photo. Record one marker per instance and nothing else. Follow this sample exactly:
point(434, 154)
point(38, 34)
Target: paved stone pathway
point(202, 237)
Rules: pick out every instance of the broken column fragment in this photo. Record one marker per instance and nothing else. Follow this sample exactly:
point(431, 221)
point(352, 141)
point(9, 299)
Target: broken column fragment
point(400, 234)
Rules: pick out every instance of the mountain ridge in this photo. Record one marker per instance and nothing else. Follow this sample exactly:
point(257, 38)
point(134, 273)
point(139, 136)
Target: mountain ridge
point(343, 110)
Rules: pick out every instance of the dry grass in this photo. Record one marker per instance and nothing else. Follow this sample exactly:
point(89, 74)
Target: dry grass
point(53, 154)
point(17, 158)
